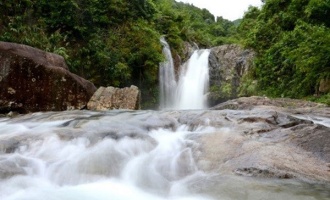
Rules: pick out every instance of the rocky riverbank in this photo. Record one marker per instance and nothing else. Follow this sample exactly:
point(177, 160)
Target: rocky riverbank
point(273, 138)
point(254, 137)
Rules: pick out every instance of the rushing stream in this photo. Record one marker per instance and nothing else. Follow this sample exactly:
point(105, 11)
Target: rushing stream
point(77, 155)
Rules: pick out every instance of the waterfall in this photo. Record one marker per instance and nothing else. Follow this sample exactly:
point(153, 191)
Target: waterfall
point(189, 92)
point(167, 80)
point(194, 82)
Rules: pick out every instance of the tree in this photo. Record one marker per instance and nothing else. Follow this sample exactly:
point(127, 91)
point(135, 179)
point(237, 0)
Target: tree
point(291, 39)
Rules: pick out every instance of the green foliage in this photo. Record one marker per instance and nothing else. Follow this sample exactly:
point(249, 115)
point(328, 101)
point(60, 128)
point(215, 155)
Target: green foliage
point(325, 99)
point(181, 22)
point(116, 42)
point(111, 42)
point(292, 41)
point(226, 90)
point(318, 11)
point(248, 86)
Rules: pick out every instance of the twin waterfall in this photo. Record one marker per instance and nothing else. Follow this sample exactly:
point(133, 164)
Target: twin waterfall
point(145, 154)
point(190, 89)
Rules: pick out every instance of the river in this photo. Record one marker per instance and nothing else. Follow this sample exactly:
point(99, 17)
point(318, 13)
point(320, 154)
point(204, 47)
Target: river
point(118, 155)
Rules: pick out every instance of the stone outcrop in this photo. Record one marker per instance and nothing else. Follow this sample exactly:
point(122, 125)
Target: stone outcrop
point(33, 80)
point(115, 98)
point(227, 64)
point(261, 137)
point(248, 103)
point(188, 50)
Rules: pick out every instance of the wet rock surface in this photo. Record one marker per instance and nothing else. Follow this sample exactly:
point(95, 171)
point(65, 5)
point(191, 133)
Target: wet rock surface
point(10, 167)
point(277, 138)
point(266, 138)
point(32, 80)
point(247, 103)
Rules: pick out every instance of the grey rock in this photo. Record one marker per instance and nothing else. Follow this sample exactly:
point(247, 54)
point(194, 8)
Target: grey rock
point(227, 65)
point(260, 137)
point(274, 138)
point(248, 103)
point(115, 98)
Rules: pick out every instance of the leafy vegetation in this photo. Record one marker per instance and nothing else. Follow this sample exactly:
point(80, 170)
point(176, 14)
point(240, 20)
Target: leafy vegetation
point(116, 42)
point(111, 42)
point(292, 40)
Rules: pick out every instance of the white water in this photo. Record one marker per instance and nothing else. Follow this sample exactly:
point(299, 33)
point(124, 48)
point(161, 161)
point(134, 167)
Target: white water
point(55, 158)
point(190, 91)
point(82, 155)
point(194, 82)
point(167, 80)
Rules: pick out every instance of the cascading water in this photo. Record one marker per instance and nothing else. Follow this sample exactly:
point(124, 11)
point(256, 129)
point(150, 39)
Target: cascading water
point(125, 155)
point(120, 155)
point(167, 79)
point(194, 82)
point(86, 155)
point(189, 92)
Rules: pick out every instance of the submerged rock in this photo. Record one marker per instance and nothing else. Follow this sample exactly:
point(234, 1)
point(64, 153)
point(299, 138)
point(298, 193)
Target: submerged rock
point(32, 80)
point(9, 168)
point(115, 98)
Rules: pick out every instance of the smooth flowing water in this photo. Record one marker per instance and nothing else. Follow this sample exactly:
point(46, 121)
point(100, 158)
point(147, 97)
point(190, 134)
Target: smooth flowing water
point(167, 80)
point(119, 155)
point(194, 82)
point(190, 90)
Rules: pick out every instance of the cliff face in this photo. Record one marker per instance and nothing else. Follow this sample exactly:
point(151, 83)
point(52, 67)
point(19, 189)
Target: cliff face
point(227, 64)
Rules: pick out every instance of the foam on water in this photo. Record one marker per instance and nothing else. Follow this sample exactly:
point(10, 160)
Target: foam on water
point(52, 162)
point(92, 155)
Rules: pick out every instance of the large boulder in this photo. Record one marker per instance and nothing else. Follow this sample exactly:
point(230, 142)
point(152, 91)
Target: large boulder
point(33, 80)
point(227, 65)
point(108, 98)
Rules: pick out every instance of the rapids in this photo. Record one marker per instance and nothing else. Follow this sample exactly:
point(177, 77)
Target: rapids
point(120, 155)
